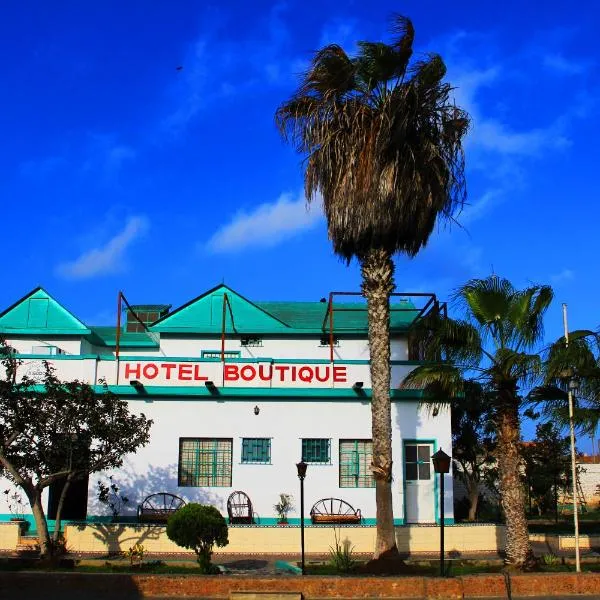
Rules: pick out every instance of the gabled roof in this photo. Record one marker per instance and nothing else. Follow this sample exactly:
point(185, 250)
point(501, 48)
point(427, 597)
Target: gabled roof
point(347, 316)
point(39, 313)
point(204, 314)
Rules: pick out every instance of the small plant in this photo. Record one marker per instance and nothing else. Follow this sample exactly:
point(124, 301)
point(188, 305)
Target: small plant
point(16, 507)
point(110, 496)
point(135, 554)
point(549, 560)
point(199, 528)
point(340, 556)
point(15, 504)
point(283, 507)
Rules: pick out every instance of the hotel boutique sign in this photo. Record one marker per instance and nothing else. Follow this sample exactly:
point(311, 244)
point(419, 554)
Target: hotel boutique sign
point(232, 374)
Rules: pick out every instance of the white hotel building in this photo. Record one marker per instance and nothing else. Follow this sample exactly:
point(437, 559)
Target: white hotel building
point(239, 392)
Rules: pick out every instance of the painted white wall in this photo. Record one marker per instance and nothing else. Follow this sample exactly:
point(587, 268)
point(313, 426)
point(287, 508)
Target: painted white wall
point(154, 468)
point(25, 344)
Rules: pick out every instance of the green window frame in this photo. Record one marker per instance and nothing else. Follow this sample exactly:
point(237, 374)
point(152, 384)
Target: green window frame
point(316, 450)
point(356, 457)
point(205, 462)
point(217, 354)
point(256, 451)
point(417, 461)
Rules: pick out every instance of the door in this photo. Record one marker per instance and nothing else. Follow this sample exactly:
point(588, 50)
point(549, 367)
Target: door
point(419, 483)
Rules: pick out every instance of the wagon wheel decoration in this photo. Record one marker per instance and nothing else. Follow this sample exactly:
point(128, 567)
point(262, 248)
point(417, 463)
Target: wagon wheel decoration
point(163, 502)
point(333, 506)
point(239, 505)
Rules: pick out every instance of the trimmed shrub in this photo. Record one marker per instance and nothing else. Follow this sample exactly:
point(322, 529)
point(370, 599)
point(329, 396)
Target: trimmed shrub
point(199, 528)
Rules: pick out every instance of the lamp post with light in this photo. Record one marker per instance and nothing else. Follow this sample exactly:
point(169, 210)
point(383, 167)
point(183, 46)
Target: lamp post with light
point(301, 466)
point(573, 386)
point(441, 465)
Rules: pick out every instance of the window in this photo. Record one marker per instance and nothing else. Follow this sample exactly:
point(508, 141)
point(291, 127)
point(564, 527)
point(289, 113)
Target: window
point(251, 341)
point(50, 350)
point(204, 462)
point(256, 450)
point(217, 354)
point(355, 463)
point(316, 450)
point(417, 462)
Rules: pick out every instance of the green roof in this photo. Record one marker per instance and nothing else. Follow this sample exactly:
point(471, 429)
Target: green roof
point(347, 316)
point(39, 313)
point(204, 314)
point(150, 307)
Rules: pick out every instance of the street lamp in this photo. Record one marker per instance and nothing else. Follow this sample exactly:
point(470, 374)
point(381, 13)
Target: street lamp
point(302, 466)
point(573, 386)
point(441, 465)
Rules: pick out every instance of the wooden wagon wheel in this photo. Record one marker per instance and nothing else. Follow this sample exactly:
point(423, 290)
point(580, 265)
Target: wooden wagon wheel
point(239, 505)
point(332, 506)
point(163, 502)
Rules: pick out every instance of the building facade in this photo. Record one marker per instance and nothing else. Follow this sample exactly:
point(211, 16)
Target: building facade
point(239, 392)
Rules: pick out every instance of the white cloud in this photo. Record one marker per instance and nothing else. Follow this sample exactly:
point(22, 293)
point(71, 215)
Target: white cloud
point(562, 276)
point(474, 211)
point(341, 32)
point(558, 63)
point(267, 225)
point(491, 134)
point(106, 155)
point(106, 259)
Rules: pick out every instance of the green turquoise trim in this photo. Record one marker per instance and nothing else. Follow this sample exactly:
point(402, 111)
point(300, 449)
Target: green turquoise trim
point(253, 360)
point(53, 357)
point(243, 393)
point(26, 331)
point(263, 522)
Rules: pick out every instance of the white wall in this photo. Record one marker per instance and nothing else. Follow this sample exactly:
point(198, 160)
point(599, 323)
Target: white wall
point(154, 468)
point(25, 344)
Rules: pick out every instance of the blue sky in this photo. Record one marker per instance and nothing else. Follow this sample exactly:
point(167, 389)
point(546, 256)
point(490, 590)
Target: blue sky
point(118, 171)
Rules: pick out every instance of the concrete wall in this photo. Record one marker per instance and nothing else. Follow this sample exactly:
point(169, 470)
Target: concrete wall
point(286, 539)
point(9, 535)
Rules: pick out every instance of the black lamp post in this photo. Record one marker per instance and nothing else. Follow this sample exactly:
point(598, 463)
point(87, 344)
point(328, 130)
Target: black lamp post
point(301, 466)
point(441, 465)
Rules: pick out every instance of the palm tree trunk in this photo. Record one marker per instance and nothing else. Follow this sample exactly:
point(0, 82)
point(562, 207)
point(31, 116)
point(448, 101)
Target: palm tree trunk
point(518, 548)
point(378, 282)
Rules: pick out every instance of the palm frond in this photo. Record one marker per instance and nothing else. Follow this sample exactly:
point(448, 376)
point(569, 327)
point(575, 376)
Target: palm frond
point(441, 383)
point(383, 144)
point(441, 338)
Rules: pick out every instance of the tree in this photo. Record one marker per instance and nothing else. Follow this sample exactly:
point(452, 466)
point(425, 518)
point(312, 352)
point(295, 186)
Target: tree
point(494, 343)
point(382, 141)
point(199, 528)
point(575, 366)
point(60, 431)
point(473, 441)
point(547, 467)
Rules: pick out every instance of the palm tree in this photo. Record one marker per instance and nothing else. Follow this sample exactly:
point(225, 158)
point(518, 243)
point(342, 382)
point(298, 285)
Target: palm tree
point(565, 364)
point(495, 344)
point(382, 143)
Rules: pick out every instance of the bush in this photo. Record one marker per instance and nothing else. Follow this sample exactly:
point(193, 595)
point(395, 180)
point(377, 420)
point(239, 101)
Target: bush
point(199, 528)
